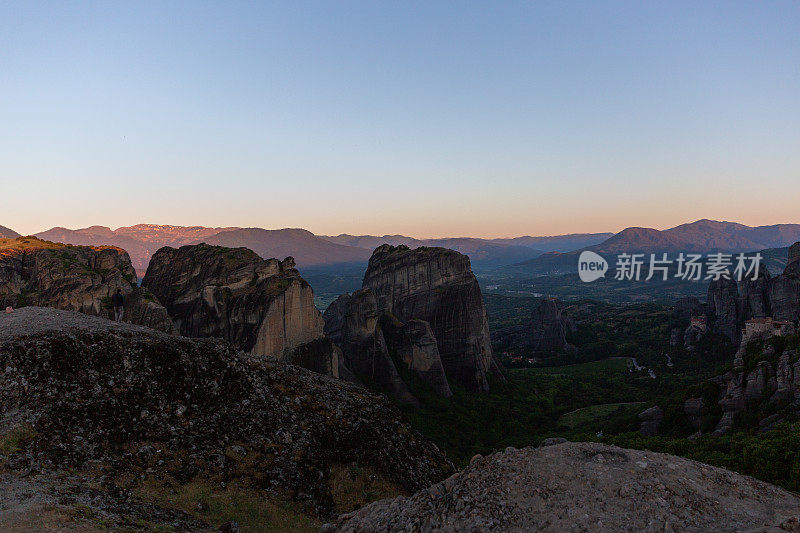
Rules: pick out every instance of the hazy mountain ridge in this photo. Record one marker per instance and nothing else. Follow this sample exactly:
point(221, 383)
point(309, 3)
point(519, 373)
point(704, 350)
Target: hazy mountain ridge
point(8, 233)
point(703, 236)
point(553, 243)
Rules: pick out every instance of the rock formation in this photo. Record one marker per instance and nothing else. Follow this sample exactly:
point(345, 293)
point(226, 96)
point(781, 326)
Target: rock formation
point(144, 409)
point(650, 421)
point(723, 298)
point(351, 322)
point(773, 381)
point(548, 328)
point(583, 487)
point(693, 408)
point(437, 285)
point(777, 297)
point(76, 278)
point(415, 346)
point(262, 306)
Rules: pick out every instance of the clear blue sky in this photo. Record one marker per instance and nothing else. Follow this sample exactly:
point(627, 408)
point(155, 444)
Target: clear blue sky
point(429, 118)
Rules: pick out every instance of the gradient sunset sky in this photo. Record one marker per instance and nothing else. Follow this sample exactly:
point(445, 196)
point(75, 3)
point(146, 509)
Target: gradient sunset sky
point(424, 118)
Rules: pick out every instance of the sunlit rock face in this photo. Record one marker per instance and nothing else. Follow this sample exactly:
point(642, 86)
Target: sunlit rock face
point(34, 272)
point(260, 305)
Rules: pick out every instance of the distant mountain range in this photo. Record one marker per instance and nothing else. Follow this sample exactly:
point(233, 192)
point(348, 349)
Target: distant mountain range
point(704, 236)
point(309, 250)
point(6, 233)
point(530, 254)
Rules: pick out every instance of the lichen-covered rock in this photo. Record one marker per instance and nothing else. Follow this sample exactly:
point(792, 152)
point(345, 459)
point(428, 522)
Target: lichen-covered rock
point(437, 285)
point(75, 278)
point(133, 404)
point(583, 487)
point(352, 322)
point(262, 306)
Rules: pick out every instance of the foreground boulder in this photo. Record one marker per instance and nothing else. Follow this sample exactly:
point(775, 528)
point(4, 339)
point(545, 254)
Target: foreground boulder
point(584, 487)
point(136, 405)
point(437, 285)
point(75, 278)
point(262, 306)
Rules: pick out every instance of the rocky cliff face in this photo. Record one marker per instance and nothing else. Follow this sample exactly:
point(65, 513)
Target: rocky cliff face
point(260, 305)
point(775, 381)
point(731, 303)
point(133, 408)
point(351, 322)
point(723, 298)
point(415, 345)
point(437, 285)
point(583, 487)
point(784, 290)
point(76, 278)
point(548, 327)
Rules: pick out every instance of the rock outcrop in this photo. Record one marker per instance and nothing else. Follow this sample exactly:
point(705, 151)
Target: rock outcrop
point(584, 487)
point(437, 285)
point(767, 379)
point(784, 290)
point(415, 346)
point(142, 409)
point(650, 421)
point(548, 327)
point(694, 409)
point(723, 304)
point(352, 323)
point(731, 303)
point(75, 278)
point(262, 306)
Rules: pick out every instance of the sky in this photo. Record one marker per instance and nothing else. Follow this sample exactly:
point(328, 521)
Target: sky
point(430, 119)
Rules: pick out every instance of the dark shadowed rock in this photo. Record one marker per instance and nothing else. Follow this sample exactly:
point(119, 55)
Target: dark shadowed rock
point(415, 346)
point(351, 321)
point(794, 254)
point(548, 328)
point(650, 421)
point(754, 298)
point(693, 409)
point(437, 285)
point(262, 306)
point(75, 278)
point(784, 295)
point(723, 304)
